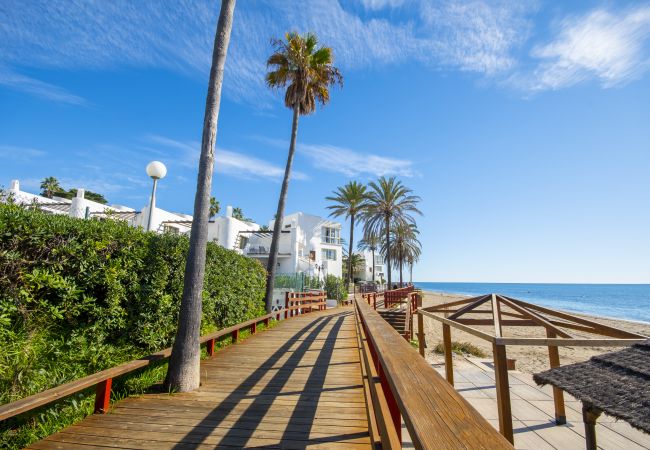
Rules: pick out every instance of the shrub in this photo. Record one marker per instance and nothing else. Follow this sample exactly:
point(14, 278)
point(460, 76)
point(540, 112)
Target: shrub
point(461, 348)
point(78, 296)
point(336, 288)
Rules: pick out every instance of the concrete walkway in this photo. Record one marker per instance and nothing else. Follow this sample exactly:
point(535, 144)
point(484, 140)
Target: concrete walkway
point(533, 411)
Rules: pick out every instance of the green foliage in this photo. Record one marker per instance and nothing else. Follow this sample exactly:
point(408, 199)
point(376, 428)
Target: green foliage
point(79, 296)
point(461, 348)
point(336, 288)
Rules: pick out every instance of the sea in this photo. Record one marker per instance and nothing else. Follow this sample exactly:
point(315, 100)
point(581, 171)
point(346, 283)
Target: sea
point(620, 301)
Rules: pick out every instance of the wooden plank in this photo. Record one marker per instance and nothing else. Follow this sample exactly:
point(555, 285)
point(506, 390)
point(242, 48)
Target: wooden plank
point(301, 389)
point(576, 342)
point(536, 318)
point(558, 394)
point(503, 392)
point(449, 356)
point(478, 302)
point(496, 316)
point(455, 324)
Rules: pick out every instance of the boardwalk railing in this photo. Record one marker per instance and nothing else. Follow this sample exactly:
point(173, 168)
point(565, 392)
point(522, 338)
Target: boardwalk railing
point(397, 297)
point(103, 380)
point(400, 385)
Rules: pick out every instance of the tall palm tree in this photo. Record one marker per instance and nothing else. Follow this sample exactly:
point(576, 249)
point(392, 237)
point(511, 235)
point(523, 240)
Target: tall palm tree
point(370, 243)
point(307, 71)
point(183, 374)
point(389, 203)
point(405, 245)
point(50, 186)
point(349, 201)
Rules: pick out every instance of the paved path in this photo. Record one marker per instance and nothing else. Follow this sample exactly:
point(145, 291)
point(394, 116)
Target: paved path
point(297, 385)
point(533, 411)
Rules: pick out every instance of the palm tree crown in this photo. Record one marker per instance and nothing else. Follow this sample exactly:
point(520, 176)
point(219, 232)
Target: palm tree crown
point(50, 186)
point(306, 69)
point(370, 243)
point(349, 201)
point(405, 246)
point(390, 203)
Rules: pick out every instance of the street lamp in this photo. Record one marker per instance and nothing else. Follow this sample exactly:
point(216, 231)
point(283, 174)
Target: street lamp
point(157, 171)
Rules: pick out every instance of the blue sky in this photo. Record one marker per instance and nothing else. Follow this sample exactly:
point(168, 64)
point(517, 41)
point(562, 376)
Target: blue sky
point(522, 125)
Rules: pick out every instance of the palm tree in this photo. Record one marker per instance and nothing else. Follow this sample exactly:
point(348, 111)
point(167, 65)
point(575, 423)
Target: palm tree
point(389, 203)
point(370, 242)
point(354, 263)
point(237, 213)
point(215, 207)
point(184, 364)
point(307, 71)
point(50, 186)
point(349, 200)
point(405, 245)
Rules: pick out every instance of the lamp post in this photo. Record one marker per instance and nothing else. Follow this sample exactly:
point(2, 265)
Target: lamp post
point(157, 171)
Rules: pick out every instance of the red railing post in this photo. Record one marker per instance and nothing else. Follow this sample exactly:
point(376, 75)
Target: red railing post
point(286, 304)
point(103, 396)
point(235, 336)
point(254, 328)
point(209, 347)
point(267, 320)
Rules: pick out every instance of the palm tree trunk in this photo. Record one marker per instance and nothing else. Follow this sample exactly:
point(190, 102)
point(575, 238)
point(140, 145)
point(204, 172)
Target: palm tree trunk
point(183, 374)
point(373, 266)
point(411, 274)
point(350, 250)
point(279, 216)
point(388, 250)
point(400, 274)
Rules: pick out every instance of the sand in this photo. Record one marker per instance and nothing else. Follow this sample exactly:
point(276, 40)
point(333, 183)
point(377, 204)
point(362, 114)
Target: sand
point(529, 359)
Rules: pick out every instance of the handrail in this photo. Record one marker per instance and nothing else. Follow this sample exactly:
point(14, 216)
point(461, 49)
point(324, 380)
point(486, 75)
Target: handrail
point(103, 379)
point(435, 415)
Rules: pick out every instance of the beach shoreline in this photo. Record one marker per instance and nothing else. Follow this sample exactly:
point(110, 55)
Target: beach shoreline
point(529, 359)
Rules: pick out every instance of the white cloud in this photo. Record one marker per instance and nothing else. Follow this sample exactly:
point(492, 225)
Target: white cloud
point(477, 36)
point(353, 164)
point(20, 153)
point(228, 162)
point(11, 79)
point(611, 47)
point(381, 4)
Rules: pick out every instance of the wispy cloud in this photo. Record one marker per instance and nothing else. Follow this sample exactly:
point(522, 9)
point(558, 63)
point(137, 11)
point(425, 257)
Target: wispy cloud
point(38, 88)
point(227, 162)
point(609, 46)
point(353, 164)
point(20, 153)
point(474, 35)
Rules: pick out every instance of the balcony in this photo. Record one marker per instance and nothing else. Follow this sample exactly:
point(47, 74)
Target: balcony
point(261, 251)
point(331, 240)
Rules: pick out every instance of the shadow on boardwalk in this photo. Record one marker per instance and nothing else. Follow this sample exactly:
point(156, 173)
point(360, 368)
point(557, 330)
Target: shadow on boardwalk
point(297, 385)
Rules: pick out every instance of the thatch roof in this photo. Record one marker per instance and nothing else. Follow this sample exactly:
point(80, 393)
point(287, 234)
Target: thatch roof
point(617, 383)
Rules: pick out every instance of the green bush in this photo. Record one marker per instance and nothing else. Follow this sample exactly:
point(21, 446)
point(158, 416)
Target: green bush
point(336, 288)
point(461, 348)
point(78, 296)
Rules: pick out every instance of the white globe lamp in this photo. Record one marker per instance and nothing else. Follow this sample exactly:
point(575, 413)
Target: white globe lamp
point(156, 170)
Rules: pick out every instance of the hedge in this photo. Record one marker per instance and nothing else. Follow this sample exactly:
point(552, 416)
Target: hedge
point(78, 296)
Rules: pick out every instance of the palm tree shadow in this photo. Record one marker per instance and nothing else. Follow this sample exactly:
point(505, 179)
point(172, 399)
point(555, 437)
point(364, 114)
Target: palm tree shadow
point(298, 426)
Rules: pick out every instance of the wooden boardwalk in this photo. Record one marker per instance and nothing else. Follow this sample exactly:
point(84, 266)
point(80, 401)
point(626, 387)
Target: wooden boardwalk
point(297, 385)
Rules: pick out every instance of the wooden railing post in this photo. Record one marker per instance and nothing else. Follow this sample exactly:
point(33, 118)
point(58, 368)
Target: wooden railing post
point(254, 328)
point(449, 356)
point(209, 347)
point(235, 336)
point(503, 391)
point(267, 321)
point(286, 304)
point(421, 339)
point(103, 396)
point(558, 394)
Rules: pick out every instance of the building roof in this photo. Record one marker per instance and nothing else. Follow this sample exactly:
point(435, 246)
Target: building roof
point(617, 383)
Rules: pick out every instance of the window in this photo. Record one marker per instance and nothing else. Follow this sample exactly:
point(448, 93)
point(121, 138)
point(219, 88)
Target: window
point(329, 254)
point(170, 229)
point(331, 235)
point(379, 259)
point(243, 242)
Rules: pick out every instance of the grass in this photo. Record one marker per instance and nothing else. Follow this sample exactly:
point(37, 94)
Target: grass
point(20, 431)
point(461, 348)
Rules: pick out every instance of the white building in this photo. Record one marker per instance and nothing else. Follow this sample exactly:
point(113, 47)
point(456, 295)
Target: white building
point(308, 244)
point(230, 232)
point(369, 266)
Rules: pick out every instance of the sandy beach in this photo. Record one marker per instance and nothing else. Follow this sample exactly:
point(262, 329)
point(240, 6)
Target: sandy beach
point(529, 359)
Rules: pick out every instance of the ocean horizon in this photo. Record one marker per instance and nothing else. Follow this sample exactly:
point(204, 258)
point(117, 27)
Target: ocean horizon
point(617, 301)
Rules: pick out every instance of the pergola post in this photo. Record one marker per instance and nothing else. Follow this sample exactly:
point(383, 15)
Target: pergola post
point(558, 394)
point(449, 361)
point(589, 416)
point(503, 391)
point(421, 339)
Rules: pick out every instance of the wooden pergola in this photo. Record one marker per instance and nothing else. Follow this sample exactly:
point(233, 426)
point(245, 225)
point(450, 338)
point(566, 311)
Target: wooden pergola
point(498, 312)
